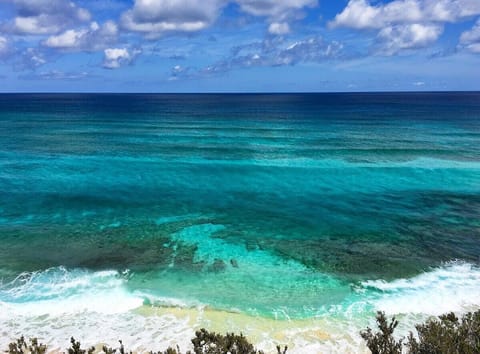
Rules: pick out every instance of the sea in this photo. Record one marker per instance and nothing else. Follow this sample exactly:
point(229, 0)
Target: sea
point(291, 218)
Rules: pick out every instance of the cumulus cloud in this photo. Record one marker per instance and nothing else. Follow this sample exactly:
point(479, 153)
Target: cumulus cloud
point(278, 52)
point(154, 17)
point(279, 28)
point(394, 39)
point(405, 24)
point(95, 37)
point(68, 39)
point(470, 40)
point(115, 58)
point(46, 16)
point(277, 10)
point(360, 14)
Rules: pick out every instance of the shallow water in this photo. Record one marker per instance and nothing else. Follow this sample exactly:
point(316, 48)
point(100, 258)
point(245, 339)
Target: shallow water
point(316, 209)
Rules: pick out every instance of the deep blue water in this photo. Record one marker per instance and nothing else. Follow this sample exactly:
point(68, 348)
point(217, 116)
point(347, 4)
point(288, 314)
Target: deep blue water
point(267, 204)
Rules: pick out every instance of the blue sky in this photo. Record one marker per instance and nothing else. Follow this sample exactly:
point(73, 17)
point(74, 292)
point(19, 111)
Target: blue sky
point(239, 45)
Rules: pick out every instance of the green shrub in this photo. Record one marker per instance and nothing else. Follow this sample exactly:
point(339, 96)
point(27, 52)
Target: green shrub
point(20, 347)
point(445, 335)
point(383, 341)
point(212, 343)
point(76, 348)
point(121, 350)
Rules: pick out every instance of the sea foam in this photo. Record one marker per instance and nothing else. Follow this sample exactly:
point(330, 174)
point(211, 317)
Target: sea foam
point(454, 286)
point(58, 290)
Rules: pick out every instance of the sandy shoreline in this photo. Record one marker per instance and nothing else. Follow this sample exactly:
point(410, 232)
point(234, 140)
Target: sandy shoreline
point(155, 328)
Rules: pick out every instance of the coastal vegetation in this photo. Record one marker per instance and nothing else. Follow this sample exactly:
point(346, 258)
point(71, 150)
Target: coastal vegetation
point(446, 334)
point(204, 342)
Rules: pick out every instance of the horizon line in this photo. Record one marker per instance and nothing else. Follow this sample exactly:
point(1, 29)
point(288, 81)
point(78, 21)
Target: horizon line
point(230, 92)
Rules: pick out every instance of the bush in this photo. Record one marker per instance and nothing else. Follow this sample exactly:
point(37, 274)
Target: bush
point(445, 335)
point(20, 347)
point(448, 335)
point(205, 342)
point(383, 341)
point(212, 343)
point(76, 348)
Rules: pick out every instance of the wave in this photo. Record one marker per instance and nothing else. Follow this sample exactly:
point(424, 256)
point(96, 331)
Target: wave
point(257, 159)
point(454, 286)
point(58, 290)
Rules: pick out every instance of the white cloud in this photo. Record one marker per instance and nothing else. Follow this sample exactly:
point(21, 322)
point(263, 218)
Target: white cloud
point(470, 40)
point(58, 75)
point(474, 48)
point(35, 25)
point(472, 35)
point(67, 39)
point(32, 58)
point(154, 17)
point(275, 9)
point(95, 37)
point(279, 28)
point(3, 46)
point(278, 13)
point(179, 71)
point(405, 24)
point(278, 52)
point(465, 8)
point(412, 36)
point(360, 14)
point(46, 16)
point(114, 58)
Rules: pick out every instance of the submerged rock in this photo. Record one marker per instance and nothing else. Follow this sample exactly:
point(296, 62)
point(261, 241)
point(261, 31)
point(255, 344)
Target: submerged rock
point(218, 266)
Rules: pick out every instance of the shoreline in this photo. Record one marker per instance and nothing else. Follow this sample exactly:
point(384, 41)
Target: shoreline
point(156, 328)
point(101, 301)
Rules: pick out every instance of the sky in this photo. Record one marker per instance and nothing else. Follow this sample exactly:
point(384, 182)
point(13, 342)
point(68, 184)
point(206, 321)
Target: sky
point(239, 45)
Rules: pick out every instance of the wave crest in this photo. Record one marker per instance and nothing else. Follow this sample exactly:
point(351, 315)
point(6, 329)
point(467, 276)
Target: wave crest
point(455, 286)
point(59, 290)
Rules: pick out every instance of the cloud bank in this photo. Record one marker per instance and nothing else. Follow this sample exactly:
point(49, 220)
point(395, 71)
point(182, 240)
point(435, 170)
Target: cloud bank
point(405, 24)
point(155, 18)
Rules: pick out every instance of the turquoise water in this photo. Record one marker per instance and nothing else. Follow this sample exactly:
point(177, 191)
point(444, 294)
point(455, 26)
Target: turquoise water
point(280, 206)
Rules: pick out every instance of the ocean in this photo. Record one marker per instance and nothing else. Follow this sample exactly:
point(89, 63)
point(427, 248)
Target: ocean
point(292, 218)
